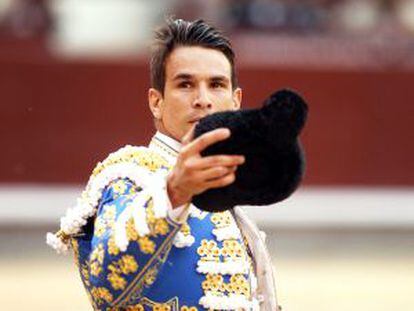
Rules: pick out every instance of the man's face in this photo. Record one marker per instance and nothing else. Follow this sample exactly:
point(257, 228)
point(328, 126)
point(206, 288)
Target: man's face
point(198, 83)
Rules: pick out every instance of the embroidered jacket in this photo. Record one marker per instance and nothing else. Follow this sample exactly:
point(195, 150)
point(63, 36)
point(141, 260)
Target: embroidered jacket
point(137, 253)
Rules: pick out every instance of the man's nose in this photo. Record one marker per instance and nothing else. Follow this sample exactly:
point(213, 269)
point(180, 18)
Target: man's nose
point(203, 99)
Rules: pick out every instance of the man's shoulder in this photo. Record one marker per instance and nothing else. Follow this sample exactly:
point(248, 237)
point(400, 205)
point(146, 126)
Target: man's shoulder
point(129, 155)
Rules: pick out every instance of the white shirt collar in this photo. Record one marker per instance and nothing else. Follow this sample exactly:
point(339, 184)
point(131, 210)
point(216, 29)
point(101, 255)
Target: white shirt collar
point(166, 146)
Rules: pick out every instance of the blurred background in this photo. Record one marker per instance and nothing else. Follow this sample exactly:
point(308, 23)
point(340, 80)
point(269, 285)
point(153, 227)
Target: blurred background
point(73, 82)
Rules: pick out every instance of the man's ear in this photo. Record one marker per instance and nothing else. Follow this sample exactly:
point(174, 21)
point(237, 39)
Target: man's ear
point(237, 98)
point(155, 101)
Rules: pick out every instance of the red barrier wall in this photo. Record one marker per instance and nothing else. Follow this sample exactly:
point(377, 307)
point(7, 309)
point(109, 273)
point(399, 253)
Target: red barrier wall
point(57, 119)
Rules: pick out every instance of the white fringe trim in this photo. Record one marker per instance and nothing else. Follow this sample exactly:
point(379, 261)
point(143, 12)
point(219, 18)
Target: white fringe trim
point(226, 233)
point(136, 211)
point(153, 184)
point(197, 213)
point(139, 215)
point(230, 302)
point(229, 267)
point(56, 243)
point(181, 240)
point(157, 187)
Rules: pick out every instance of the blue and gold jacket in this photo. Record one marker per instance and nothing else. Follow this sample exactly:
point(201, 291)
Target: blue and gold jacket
point(136, 253)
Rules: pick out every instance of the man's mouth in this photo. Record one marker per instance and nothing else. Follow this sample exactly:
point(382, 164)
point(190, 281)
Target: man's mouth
point(196, 119)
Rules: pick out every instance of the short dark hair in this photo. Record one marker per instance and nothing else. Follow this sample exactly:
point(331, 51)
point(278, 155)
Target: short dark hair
point(177, 32)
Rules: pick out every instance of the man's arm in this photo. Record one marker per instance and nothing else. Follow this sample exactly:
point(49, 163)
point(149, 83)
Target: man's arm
point(128, 210)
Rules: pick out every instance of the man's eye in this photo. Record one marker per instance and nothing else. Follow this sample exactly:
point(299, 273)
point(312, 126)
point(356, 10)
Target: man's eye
point(184, 85)
point(217, 85)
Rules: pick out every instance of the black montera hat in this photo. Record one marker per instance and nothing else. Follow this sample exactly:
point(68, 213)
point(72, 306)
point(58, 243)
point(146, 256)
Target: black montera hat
point(268, 138)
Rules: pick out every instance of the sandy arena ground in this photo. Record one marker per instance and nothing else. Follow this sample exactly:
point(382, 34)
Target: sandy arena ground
point(329, 270)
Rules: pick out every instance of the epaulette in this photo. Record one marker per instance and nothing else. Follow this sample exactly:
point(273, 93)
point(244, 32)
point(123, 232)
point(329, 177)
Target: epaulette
point(138, 164)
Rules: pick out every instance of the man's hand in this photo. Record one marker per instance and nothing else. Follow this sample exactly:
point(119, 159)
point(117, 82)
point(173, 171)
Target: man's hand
point(194, 174)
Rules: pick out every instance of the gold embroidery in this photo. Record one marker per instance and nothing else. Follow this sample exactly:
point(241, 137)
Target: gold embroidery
point(172, 305)
point(132, 234)
point(112, 248)
point(161, 307)
point(96, 268)
point(137, 284)
point(157, 225)
point(85, 274)
point(151, 164)
point(117, 282)
point(150, 276)
point(146, 245)
point(137, 307)
point(75, 247)
point(125, 265)
point(96, 260)
point(161, 227)
point(101, 294)
point(145, 158)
